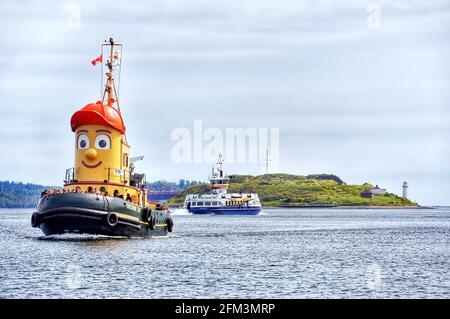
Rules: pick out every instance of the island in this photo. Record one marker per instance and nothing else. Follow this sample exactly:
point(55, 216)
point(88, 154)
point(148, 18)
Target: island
point(318, 190)
point(274, 190)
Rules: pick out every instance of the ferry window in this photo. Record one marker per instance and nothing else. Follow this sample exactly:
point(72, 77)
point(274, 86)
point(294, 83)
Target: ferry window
point(199, 203)
point(193, 204)
point(207, 203)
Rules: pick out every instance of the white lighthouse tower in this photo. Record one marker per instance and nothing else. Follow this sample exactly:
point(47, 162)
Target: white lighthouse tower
point(405, 190)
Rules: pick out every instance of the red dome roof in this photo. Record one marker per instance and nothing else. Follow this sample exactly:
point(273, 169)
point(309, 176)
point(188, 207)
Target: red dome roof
point(98, 114)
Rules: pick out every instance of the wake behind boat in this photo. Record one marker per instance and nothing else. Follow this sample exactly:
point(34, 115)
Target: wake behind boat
point(219, 201)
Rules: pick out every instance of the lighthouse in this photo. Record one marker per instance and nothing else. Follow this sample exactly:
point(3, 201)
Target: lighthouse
point(405, 190)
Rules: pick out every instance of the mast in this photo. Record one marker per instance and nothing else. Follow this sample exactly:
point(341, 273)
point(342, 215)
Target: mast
point(113, 62)
point(220, 162)
point(267, 161)
point(219, 182)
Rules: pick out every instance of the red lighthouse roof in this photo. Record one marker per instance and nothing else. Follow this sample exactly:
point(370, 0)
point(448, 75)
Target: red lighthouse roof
point(98, 114)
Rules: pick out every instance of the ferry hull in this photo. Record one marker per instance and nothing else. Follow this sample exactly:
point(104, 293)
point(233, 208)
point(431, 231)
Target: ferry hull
point(226, 211)
point(98, 215)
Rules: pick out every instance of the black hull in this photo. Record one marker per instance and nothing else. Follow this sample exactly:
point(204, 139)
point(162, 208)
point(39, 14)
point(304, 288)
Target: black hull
point(98, 215)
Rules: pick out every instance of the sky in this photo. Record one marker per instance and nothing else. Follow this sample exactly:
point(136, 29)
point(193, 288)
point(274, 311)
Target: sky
point(359, 89)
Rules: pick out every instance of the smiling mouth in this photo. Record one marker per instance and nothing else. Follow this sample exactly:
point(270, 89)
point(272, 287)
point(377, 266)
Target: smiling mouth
point(92, 166)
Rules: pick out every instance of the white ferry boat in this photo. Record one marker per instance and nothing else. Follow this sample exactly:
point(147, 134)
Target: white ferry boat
point(219, 201)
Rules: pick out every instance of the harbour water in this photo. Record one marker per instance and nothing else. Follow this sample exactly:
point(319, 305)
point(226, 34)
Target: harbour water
point(281, 253)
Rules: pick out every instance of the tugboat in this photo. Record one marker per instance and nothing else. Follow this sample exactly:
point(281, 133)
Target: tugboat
point(218, 201)
point(102, 194)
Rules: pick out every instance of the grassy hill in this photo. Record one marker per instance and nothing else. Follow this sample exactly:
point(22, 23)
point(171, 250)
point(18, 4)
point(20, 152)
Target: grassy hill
point(280, 190)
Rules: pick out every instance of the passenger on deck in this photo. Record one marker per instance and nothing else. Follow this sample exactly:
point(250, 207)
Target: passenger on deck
point(128, 197)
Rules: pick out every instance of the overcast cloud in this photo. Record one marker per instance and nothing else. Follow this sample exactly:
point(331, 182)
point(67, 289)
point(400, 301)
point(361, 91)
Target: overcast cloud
point(367, 104)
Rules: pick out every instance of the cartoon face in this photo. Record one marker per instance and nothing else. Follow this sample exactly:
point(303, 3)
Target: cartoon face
point(97, 152)
point(101, 142)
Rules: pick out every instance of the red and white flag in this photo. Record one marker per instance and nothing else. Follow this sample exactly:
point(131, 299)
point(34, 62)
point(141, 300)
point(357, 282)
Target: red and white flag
point(97, 60)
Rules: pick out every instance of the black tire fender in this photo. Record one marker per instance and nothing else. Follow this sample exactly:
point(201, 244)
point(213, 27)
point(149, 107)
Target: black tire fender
point(35, 220)
point(112, 219)
point(169, 224)
point(146, 214)
point(151, 220)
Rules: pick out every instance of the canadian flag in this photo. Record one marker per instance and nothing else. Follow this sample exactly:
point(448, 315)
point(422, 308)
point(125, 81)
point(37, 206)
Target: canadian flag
point(97, 60)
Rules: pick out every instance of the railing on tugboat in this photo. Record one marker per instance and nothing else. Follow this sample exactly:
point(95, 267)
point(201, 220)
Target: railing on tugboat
point(135, 179)
point(70, 176)
point(138, 180)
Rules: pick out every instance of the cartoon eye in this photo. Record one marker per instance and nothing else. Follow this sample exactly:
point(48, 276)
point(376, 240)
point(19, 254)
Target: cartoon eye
point(83, 142)
point(102, 142)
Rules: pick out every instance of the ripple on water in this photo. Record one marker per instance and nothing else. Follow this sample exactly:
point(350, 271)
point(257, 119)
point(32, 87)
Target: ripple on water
point(322, 253)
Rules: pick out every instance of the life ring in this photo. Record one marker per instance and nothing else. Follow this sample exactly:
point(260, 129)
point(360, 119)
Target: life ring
point(35, 220)
point(112, 219)
point(169, 224)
